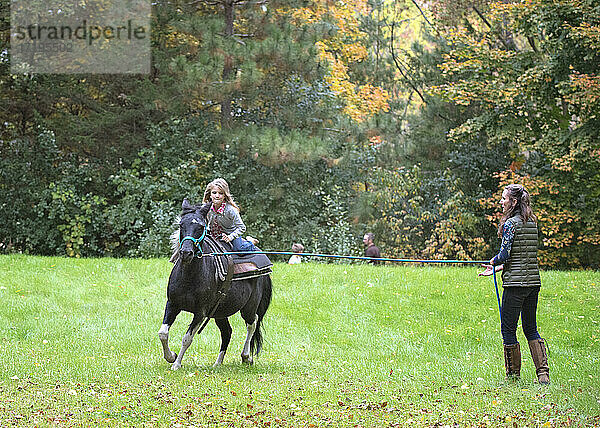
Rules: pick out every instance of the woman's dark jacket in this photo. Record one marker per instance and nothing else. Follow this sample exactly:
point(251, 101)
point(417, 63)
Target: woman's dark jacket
point(521, 269)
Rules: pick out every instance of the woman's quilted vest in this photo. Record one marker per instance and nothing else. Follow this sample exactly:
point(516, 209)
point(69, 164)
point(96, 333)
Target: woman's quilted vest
point(521, 269)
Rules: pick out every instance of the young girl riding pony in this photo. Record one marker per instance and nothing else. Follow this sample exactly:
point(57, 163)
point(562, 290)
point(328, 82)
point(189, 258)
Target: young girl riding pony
point(223, 219)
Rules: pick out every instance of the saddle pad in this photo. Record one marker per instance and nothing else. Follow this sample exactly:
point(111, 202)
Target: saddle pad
point(243, 267)
point(261, 261)
point(248, 270)
point(220, 261)
point(251, 274)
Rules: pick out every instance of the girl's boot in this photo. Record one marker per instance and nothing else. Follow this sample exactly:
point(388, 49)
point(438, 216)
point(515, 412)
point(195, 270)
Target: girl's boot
point(512, 360)
point(540, 360)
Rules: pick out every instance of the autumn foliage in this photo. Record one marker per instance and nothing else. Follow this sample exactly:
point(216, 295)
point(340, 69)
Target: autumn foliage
point(540, 93)
point(406, 118)
point(343, 48)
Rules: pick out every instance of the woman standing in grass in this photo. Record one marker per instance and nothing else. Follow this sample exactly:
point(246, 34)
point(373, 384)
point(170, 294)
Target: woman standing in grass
point(520, 281)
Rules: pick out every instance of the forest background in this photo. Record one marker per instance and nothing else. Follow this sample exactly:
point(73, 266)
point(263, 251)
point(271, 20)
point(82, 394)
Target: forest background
point(328, 119)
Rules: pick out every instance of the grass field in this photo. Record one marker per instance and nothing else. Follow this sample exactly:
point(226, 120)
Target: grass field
point(346, 346)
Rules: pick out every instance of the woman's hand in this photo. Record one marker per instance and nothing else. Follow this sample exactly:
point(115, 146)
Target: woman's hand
point(226, 238)
point(488, 269)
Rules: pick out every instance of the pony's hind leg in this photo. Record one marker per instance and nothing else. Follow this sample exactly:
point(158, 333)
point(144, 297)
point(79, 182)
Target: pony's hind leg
point(225, 328)
point(246, 356)
point(163, 333)
point(250, 315)
point(188, 337)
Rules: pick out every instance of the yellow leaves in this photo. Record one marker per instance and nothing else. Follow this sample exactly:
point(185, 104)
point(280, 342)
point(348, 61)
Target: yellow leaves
point(564, 163)
point(500, 10)
point(585, 91)
point(344, 14)
point(462, 36)
point(340, 50)
point(362, 101)
point(366, 101)
point(354, 52)
point(309, 15)
point(175, 38)
point(471, 63)
point(590, 238)
point(588, 33)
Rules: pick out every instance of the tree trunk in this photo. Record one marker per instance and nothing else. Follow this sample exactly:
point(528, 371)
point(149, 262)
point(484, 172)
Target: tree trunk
point(227, 65)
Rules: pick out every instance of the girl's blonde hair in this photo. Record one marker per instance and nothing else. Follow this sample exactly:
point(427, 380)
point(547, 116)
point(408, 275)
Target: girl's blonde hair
point(522, 206)
point(222, 184)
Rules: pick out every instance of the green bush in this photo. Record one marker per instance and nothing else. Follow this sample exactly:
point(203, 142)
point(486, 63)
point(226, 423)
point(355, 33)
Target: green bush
point(27, 166)
point(283, 199)
point(147, 196)
point(335, 234)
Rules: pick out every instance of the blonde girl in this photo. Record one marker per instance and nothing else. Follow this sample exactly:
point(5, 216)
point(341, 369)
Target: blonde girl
point(223, 218)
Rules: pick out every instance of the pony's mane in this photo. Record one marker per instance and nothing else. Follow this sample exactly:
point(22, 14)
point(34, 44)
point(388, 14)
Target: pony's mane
point(175, 235)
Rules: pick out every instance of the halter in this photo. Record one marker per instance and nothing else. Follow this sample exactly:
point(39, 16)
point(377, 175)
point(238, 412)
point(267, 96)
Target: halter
point(196, 242)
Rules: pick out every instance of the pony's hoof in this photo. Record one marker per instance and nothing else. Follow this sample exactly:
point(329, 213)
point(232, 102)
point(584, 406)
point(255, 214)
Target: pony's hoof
point(175, 366)
point(171, 358)
point(247, 359)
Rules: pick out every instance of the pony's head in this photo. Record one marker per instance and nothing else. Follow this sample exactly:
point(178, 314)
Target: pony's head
point(192, 229)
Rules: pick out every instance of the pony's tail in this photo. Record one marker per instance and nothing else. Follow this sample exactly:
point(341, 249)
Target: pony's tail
point(267, 291)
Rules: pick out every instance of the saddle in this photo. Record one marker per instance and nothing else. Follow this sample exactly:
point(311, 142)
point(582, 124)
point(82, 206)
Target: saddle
point(244, 266)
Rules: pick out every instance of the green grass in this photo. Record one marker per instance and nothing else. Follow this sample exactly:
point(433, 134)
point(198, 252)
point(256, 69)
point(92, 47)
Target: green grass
point(346, 345)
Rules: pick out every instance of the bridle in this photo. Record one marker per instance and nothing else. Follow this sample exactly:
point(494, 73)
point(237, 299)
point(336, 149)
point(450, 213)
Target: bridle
point(196, 242)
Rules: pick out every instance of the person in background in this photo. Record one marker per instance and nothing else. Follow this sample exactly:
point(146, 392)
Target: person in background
point(371, 250)
point(296, 259)
point(520, 281)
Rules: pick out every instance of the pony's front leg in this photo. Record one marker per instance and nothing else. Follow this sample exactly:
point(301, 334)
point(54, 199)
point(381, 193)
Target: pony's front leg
point(225, 329)
point(246, 357)
point(188, 337)
point(163, 333)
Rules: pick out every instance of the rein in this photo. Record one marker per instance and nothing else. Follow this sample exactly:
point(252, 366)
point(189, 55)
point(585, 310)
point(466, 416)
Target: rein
point(199, 254)
point(497, 293)
point(380, 259)
point(341, 256)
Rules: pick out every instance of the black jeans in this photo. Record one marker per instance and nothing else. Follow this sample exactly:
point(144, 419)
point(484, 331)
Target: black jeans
point(519, 301)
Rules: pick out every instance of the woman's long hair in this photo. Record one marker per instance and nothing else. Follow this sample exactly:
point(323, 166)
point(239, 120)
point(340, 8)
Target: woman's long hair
point(517, 192)
point(222, 184)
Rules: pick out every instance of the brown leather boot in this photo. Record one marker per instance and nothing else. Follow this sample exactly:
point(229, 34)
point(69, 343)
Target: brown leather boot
point(540, 360)
point(512, 360)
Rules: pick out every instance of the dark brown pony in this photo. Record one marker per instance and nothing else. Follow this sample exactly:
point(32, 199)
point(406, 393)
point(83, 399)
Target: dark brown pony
point(195, 287)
